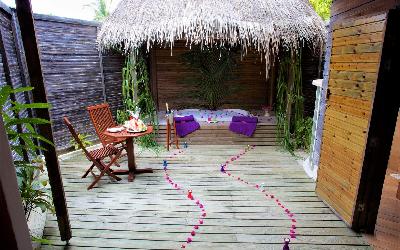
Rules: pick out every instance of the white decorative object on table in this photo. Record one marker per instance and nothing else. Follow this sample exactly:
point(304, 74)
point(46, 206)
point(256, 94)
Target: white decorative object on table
point(115, 130)
point(135, 126)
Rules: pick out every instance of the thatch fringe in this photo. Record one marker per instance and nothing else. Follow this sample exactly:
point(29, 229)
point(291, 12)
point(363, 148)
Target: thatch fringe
point(266, 25)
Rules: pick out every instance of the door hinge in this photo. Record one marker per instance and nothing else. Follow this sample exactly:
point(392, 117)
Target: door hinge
point(361, 207)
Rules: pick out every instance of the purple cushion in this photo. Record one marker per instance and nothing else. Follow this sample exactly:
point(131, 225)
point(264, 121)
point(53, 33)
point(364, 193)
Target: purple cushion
point(245, 125)
point(188, 118)
point(248, 119)
point(185, 125)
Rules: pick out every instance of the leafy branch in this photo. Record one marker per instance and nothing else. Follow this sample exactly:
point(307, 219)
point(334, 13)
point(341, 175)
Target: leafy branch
point(31, 184)
point(214, 66)
point(294, 130)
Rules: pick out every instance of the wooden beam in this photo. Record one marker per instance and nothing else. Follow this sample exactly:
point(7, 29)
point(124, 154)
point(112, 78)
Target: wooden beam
point(381, 129)
point(26, 22)
point(14, 232)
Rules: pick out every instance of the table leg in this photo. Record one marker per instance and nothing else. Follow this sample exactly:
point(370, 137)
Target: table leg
point(131, 158)
point(176, 136)
point(132, 170)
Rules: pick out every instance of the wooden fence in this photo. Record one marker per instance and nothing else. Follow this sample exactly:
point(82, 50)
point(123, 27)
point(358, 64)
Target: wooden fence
point(75, 74)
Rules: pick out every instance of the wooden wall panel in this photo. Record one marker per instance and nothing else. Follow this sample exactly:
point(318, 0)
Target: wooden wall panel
point(394, 160)
point(71, 69)
point(170, 71)
point(75, 75)
point(11, 68)
point(354, 65)
point(113, 62)
point(342, 9)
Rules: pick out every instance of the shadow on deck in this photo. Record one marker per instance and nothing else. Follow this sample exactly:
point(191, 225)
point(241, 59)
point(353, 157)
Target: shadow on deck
point(150, 214)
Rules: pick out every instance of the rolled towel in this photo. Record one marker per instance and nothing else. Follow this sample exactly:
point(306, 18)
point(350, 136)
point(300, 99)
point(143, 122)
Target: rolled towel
point(247, 119)
point(188, 118)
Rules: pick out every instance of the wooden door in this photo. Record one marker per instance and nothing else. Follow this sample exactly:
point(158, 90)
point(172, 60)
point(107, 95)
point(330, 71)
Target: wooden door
point(354, 107)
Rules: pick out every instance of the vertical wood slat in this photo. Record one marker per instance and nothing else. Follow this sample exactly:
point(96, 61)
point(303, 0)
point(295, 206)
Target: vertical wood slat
point(153, 76)
point(113, 63)
point(102, 75)
point(14, 229)
point(25, 17)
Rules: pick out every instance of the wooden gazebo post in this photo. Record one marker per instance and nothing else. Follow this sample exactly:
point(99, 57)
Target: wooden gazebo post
point(26, 22)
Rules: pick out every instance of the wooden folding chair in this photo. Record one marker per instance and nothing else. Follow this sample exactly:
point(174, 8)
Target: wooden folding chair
point(96, 157)
point(102, 118)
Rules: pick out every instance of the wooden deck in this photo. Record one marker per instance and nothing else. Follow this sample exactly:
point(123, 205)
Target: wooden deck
point(150, 214)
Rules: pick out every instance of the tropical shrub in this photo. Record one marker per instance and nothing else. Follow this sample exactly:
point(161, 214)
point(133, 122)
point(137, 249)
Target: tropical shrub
point(101, 9)
point(84, 139)
point(322, 7)
point(294, 130)
point(136, 96)
point(29, 165)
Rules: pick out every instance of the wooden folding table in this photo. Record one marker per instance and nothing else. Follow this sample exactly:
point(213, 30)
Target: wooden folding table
point(132, 170)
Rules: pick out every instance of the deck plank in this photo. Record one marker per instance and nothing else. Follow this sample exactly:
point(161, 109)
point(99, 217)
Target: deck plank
point(148, 214)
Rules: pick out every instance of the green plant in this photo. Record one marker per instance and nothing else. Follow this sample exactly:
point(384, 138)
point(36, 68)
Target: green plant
point(294, 131)
point(101, 9)
point(304, 132)
point(29, 166)
point(32, 187)
point(136, 96)
point(214, 67)
point(322, 7)
point(84, 140)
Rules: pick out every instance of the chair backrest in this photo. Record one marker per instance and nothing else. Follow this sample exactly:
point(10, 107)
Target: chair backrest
point(102, 118)
point(76, 138)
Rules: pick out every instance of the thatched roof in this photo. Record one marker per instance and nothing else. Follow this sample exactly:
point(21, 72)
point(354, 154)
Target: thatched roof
point(262, 24)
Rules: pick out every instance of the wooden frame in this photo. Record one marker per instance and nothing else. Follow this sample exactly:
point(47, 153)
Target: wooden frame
point(27, 27)
point(381, 129)
point(14, 229)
